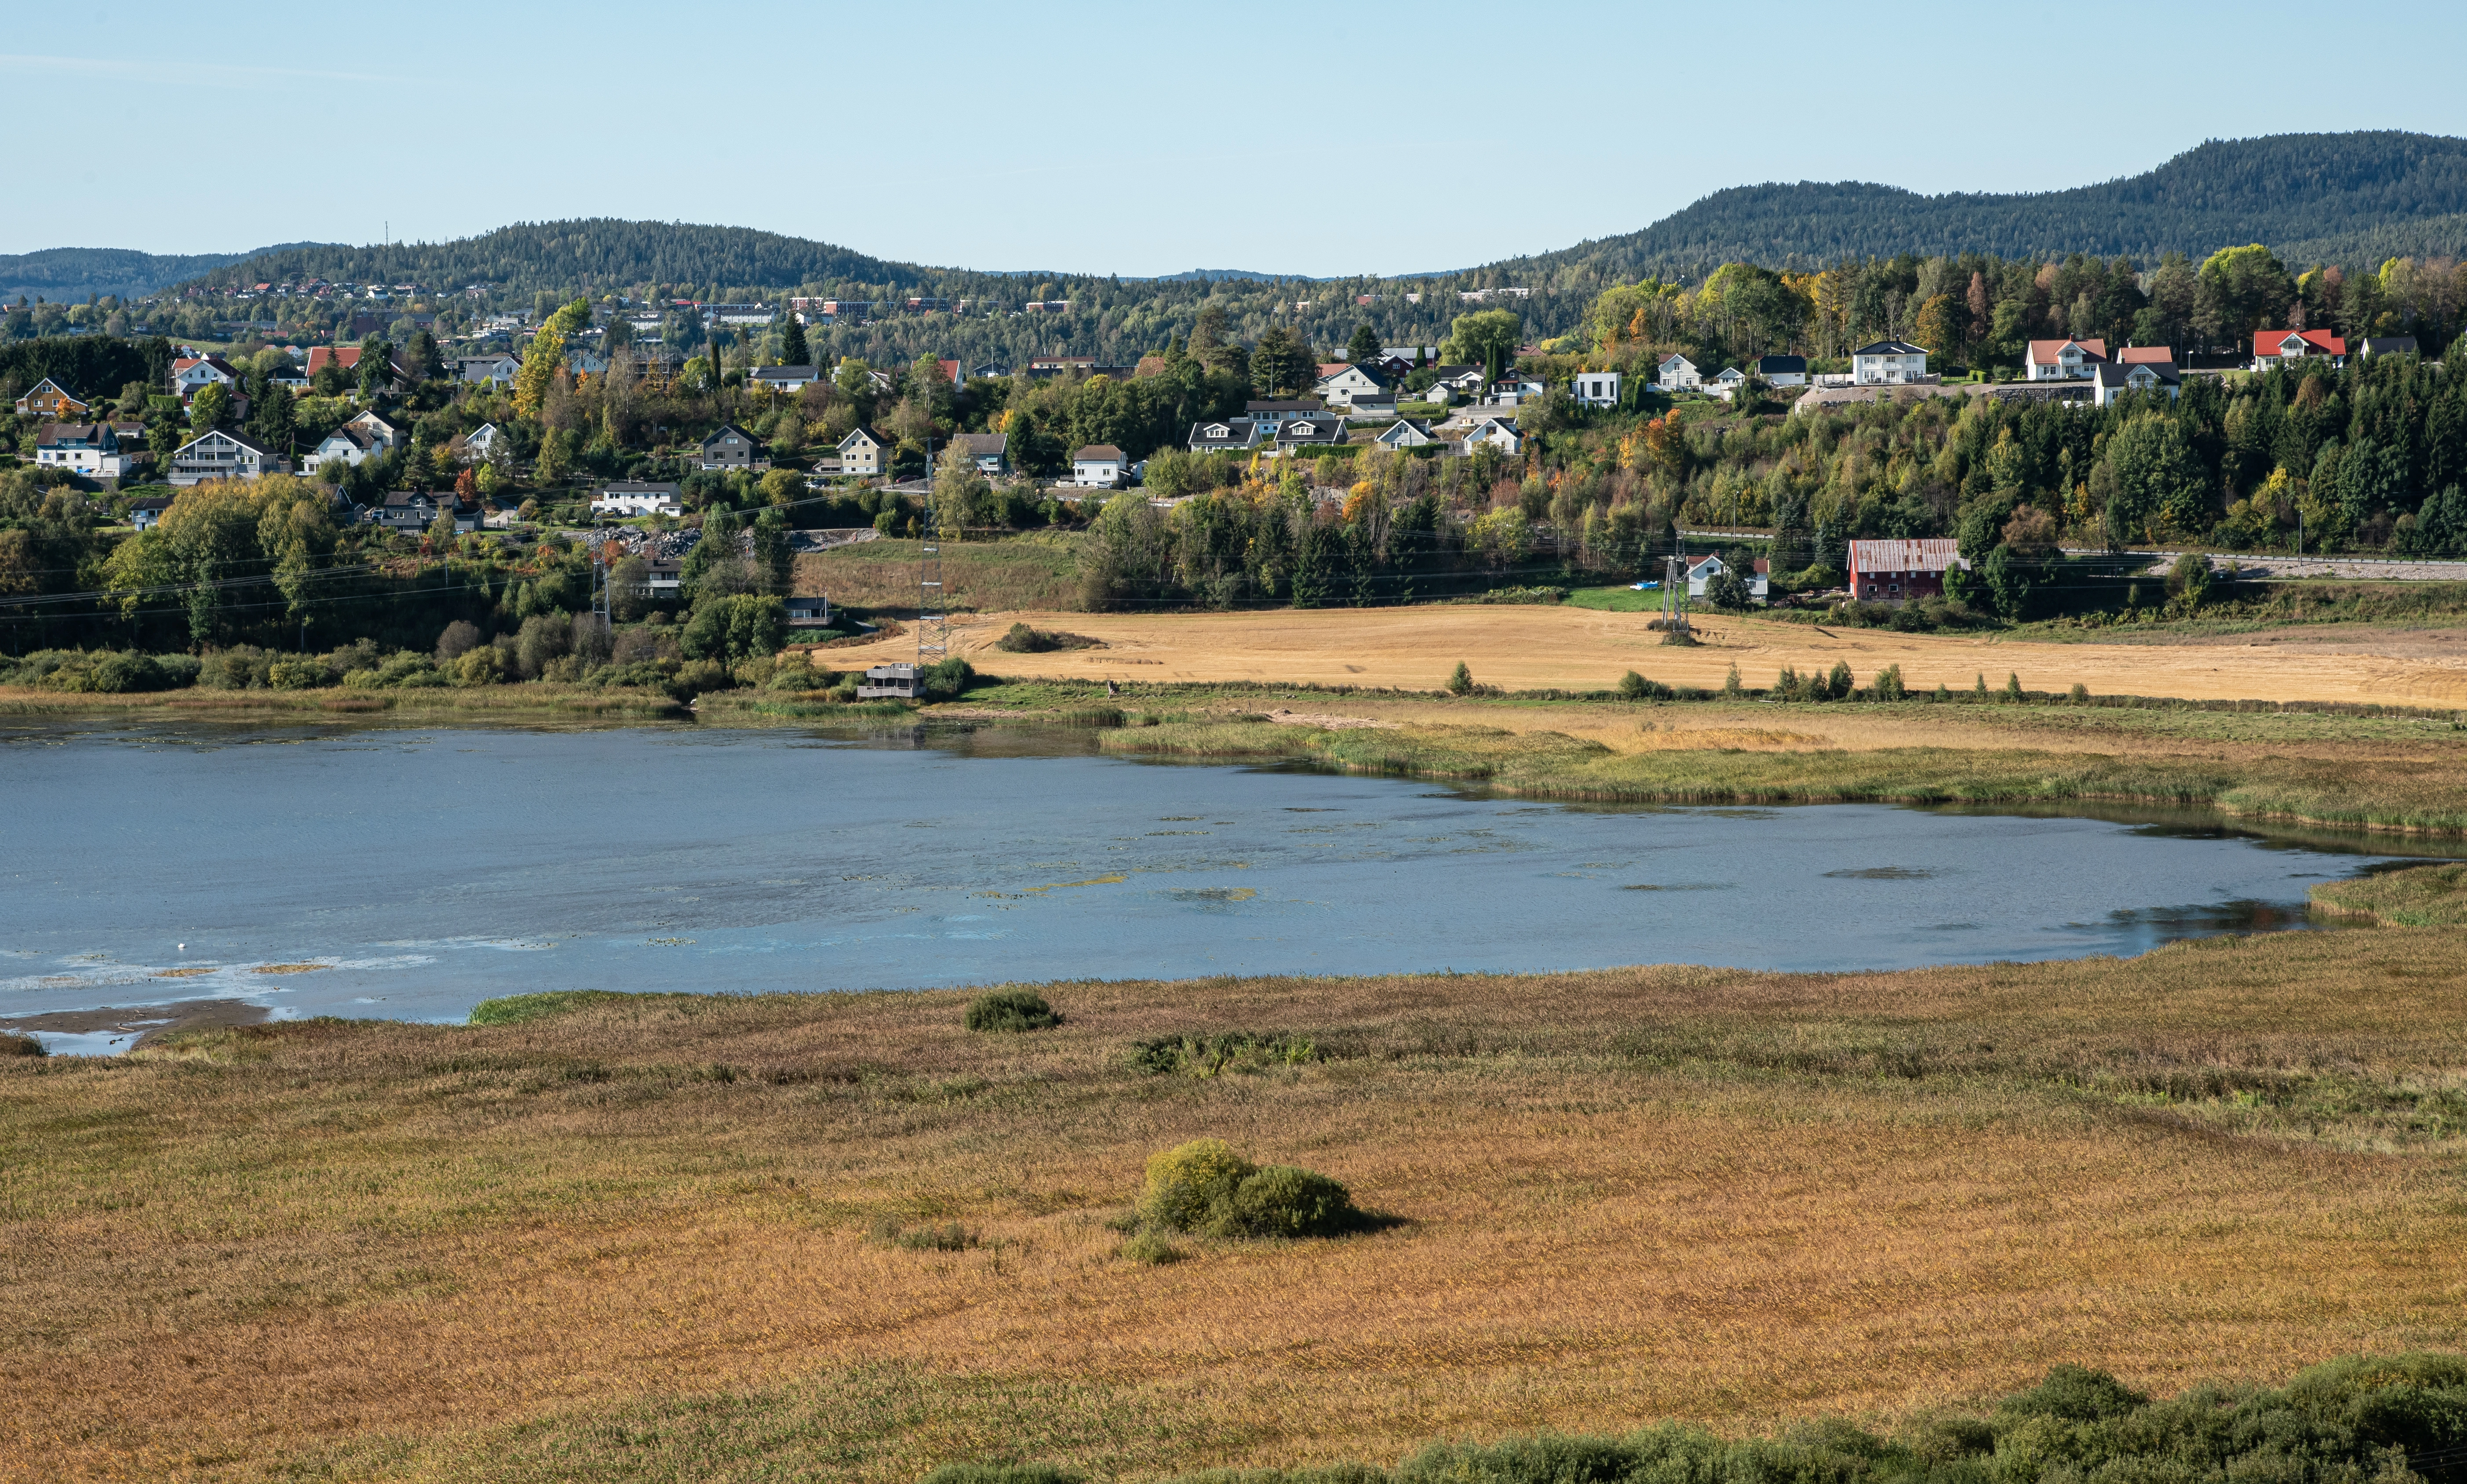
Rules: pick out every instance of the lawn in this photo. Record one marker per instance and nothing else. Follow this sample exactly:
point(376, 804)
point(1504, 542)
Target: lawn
point(643, 1232)
point(1617, 599)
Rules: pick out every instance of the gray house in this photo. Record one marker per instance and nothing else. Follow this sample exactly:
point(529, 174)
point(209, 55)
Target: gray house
point(731, 447)
point(989, 452)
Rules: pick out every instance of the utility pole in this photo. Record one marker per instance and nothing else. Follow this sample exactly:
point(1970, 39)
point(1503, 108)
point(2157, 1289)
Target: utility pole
point(933, 620)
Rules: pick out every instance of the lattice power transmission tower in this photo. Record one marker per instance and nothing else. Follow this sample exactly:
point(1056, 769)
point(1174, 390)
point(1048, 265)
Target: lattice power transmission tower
point(1674, 597)
point(933, 615)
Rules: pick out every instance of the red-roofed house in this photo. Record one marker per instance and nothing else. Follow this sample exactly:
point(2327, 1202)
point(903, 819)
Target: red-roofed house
point(2271, 346)
point(2145, 356)
point(955, 373)
point(347, 358)
point(2063, 360)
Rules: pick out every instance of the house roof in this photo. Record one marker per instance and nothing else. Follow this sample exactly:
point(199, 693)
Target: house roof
point(2388, 344)
point(1781, 365)
point(47, 381)
point(723, 429)
point(1100, 452)
point(1676, 360)
point(1932, 555)
point(241, 438)
point(1890, 348)
point(2266, 342)
point(982, 443)
point(786, 374)
point(2145, 356)
point(1311, 405)
point(55, 433)
point(1763, 565)
point(2044, 352)
point(866, 434)
point(358, 437)
point(636, 488)
point(2121, 376)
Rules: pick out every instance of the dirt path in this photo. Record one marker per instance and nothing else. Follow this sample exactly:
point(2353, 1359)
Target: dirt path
point(1520, 648)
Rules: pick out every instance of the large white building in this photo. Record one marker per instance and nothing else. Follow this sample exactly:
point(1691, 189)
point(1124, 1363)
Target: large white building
point(1886, 363)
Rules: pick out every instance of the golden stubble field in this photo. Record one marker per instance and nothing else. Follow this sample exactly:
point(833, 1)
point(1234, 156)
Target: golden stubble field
point(400, 1251)
point(1541, 647)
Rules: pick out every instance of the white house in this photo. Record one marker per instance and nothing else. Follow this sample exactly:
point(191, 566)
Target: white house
point(193, 374)
point(1705, 569)
point(1782, 370)
point(93, 449)
point(484, 443)
point(1887, 362)
point(1597, 388)
point(1513, 388)
point(386, 433)
point(1098, 466)
point(145, 514)
point(1677, 373)
point(346, 443)
point(2271, 346)
point(1460, 380)
point(2110, 382)
point(1407, 433)
point(1343, 384)
point(633, 497)
point(222, 455)
point(487, 370)
point(1499, 434)
point(786, 379)
point(2063, 360)
point(1727, 382)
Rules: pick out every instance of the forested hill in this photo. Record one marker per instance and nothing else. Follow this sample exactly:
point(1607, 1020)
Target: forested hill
point(69, 275)
point(2322, 197)
point(562, 255)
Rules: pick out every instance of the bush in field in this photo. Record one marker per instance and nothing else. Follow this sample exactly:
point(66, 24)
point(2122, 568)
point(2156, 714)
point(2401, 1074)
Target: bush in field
point(1205, 1188)
point(1011, 1010)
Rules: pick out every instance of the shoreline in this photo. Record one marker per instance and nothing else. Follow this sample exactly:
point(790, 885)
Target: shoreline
point(144, 1024)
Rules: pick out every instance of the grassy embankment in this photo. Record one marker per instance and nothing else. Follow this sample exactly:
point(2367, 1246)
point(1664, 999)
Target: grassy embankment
point(625, 1238)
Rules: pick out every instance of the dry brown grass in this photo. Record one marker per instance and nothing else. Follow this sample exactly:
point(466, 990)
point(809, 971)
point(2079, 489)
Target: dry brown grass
point(1539, 647)
point(399, 1251)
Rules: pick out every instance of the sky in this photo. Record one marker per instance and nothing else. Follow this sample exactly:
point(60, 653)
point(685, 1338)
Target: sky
point(1130, 139)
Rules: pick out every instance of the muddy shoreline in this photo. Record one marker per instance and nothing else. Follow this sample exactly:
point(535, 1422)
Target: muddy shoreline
point(142, 1023)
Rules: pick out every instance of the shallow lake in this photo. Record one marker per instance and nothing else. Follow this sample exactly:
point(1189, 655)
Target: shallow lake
point(412, 873)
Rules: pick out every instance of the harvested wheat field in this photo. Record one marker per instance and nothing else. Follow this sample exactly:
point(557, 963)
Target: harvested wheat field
point(1543, 646)
point(659, 1237)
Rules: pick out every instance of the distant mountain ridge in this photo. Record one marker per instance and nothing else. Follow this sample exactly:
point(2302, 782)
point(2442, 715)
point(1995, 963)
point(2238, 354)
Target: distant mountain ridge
point(2352, 198)
point(2322, 197)
point(68, 275)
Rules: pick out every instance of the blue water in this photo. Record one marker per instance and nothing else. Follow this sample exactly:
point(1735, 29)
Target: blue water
point(423, 872)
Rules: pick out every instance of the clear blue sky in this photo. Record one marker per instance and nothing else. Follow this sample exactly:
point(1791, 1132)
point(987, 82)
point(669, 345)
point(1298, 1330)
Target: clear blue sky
point(1133, 139)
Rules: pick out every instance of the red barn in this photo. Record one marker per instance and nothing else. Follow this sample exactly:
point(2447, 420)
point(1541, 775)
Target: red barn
point(1895, 571)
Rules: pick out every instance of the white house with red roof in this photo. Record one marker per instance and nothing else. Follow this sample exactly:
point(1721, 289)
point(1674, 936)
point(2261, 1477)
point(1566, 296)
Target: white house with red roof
point(2271, 346)
point(2061, 360)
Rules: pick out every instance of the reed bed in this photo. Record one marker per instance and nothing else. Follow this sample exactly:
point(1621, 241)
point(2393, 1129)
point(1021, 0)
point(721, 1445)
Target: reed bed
point(636, 1237)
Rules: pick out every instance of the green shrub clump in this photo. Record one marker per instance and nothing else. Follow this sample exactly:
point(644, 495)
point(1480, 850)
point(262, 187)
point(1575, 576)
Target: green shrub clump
point(1206, 1189)
point(1000, 1472)
point(1011, 1009)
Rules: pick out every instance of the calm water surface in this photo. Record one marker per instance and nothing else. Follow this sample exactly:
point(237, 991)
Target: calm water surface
point(423, 872)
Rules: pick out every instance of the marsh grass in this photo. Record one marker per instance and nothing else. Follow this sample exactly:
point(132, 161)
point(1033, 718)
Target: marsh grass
point(621, 1236)
point(2424, 896)
point(2390, 791)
